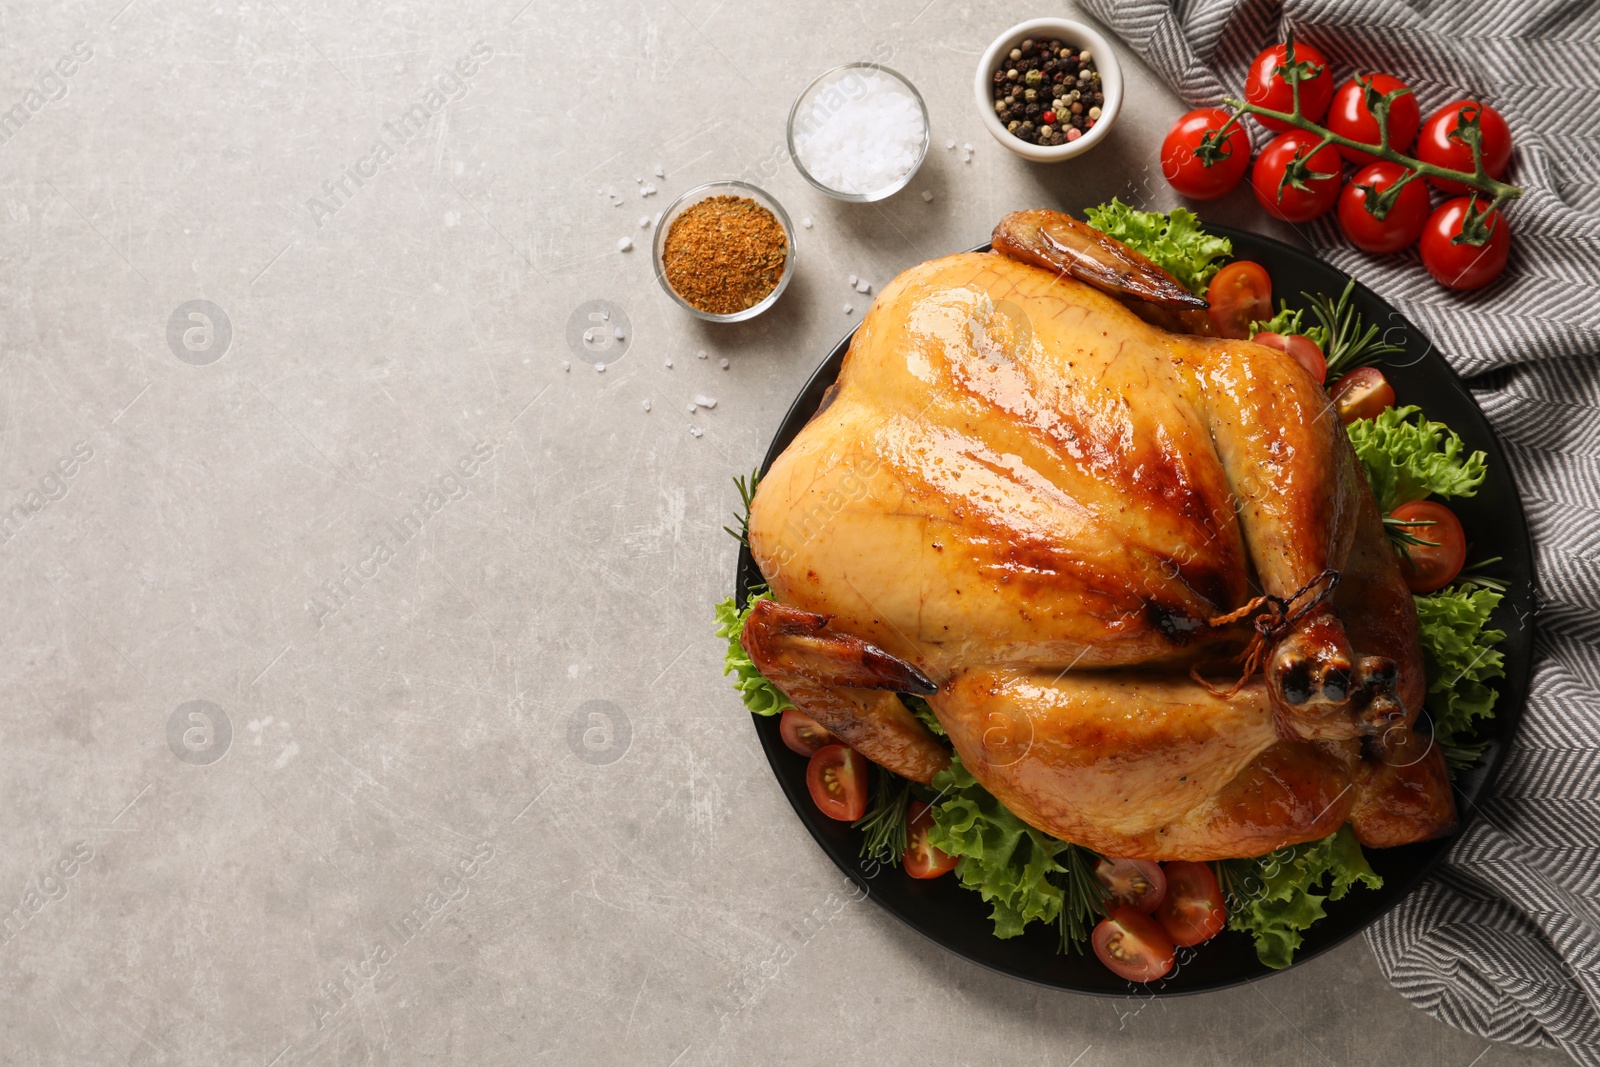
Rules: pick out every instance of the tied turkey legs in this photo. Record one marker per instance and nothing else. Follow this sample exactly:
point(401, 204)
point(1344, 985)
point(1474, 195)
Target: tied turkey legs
point(1040, 493)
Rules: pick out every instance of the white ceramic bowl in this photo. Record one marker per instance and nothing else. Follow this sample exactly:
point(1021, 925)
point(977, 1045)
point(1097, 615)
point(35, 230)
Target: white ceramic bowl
point(705, 192)
point(1074, 33)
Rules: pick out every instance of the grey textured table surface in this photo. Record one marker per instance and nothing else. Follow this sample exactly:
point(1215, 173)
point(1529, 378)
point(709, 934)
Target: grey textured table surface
point(360, 512)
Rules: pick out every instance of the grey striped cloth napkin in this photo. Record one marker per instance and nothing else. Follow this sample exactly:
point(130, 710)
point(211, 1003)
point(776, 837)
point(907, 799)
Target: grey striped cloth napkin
point(1504, 941)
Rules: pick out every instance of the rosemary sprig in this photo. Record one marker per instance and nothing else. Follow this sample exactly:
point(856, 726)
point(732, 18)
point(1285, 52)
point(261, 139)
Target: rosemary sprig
point(1083, 900)
point(1467, 131)
point(1351, 343)
point(1401, 537)
point(883, 827)
point(1483, 581)
point(747, 493)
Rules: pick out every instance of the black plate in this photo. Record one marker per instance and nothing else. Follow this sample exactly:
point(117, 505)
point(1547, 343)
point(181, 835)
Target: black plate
point(958, 919)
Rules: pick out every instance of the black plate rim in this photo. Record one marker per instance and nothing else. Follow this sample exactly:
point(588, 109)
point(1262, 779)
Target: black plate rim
point(1478, 782)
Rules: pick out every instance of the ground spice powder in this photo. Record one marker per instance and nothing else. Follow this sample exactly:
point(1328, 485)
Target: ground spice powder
point(724, 254)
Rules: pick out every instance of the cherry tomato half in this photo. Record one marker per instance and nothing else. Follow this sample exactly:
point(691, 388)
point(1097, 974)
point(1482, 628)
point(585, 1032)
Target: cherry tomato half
point(1403, 223)
point(803, 734)
point(1187, 172)
point(1434, 565)
point(1362, 394)
point(1265, 87)
point(1194, 910)
point(837, 778)
point(1139, 883)
point(1302, 349)
point(1463, 266)
point(1436, 146)
point(1290, 203)
point(921, 859)
point(1239, 294)
point(1133, 945)
point(1348, 117)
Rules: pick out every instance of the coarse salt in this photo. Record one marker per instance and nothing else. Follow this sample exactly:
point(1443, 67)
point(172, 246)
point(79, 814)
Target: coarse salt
point(848, 309)
point(705, 401)
point(624, 244)
point(723, 362)
point(644, 222)
point(696, 431)
point(669, 364)
point(647, 405)
point(661, 172)
point(806, 222)
point(617, 333)
point(860, 132)
point(600, 367)
point(701, 354)
point(927, 196)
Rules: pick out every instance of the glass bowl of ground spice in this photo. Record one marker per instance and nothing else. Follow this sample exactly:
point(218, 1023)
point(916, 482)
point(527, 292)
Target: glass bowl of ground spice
point(1049, 89)
point(725, 251)
point(859, 132)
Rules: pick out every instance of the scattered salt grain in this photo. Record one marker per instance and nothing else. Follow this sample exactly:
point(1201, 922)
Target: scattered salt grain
point(661, 172)
point(648, 189)
point(690, 407)
point(705, 401)
point(951, 143)
point(669, 364)
point(624, 244)
point(600, 368)
point(636, 181)
point(696, 431)
point(646, 404)
point(700, 354)
point(863, 286)
point(605, 315)
point(644, 222)
point(853, 280)
point(617, 333)
point(860, 132)
point(566, 364)
point(724, 362)
point(806, 222)
point(927, 196)
point(848, 309)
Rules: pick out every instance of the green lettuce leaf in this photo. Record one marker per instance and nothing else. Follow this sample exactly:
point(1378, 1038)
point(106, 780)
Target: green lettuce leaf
point(1173, 240)
point(1287, 322)
point(1409, 460)
point(1007, 861)
point(1275, 898)
point(758, 694)
point(921, 710)
point(1459, 658)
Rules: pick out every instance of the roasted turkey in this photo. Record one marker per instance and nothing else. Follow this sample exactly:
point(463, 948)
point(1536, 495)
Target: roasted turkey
point(1136, 571)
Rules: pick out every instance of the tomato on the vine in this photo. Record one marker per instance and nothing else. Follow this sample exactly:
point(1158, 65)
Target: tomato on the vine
point(1140, 883)
point(803, 734)
point(1435, 564)
point(1464, 266)
point(1435, 144)
point(1349, 116)
point(1300, 348)
point(1194, 910)
point(837, 779)
point(1324, 174)
point(922, 860)
point(1133, 945)
point(1400, 226)
point(1364, 393)
point(1200, 173)
point(1265, 87)
point(1239, 294)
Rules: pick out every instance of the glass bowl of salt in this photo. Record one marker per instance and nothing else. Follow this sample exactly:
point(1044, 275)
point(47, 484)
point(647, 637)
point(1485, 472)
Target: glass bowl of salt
point(859, 132)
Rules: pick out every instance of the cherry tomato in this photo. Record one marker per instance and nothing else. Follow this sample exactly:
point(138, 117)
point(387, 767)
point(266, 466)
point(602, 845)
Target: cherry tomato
point(1187, 172)
point(1362, 394)
point(1292, 204)
point(1348, 117)
point(1435, 565)
point(1240, 293)
point(1436, 146)
point(922, 860)
point(802, 733)
point(1406, 217)
point(837, 778)
point(1264, 87)
point(1194, 910)
point(1463, 266)
point(1302, 349)
point(1139, 883)
point(1133, 945)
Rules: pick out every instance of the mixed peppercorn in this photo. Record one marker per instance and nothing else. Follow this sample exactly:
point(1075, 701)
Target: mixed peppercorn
point(1047, 92)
